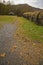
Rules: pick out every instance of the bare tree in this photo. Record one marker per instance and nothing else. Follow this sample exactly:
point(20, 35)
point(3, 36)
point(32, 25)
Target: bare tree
point(4, 2)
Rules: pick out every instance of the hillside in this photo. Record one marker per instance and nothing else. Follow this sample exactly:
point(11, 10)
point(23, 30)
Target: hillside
point(25, 7)
point(17, 9)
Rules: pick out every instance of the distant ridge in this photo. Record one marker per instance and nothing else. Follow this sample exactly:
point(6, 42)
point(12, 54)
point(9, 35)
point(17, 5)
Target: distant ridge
point(17, 9)
point(26, 7)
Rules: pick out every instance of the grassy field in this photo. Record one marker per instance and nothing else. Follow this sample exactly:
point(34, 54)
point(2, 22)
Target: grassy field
point(31, 30)
point(7, 19)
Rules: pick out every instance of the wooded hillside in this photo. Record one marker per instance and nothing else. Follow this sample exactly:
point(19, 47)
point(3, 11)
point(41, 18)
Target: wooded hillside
point(16, 9)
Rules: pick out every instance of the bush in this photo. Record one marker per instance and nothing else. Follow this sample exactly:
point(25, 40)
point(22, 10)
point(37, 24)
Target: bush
point(36, 16)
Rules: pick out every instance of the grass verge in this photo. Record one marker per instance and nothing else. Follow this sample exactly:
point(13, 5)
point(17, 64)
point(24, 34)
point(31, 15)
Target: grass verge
point(32, 30)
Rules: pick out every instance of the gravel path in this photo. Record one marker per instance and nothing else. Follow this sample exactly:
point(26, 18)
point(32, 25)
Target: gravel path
point(6, 42)
point(9, 49)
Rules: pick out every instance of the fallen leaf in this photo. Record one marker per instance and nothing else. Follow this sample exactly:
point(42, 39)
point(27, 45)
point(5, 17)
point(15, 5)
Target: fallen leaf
point(21, 53)
point(34, 44)
point(13, 48)
point(2, 54)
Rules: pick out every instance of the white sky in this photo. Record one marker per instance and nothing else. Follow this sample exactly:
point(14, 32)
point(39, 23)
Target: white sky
point(34, 3)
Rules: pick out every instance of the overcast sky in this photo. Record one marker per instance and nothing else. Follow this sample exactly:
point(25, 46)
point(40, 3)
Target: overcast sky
point(34, 3)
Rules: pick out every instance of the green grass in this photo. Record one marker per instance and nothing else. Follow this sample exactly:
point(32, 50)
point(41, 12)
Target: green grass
point(7, 19)
point(32, 30)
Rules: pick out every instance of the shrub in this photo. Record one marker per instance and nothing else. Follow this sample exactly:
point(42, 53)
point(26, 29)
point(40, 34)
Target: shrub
point(36, 16)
